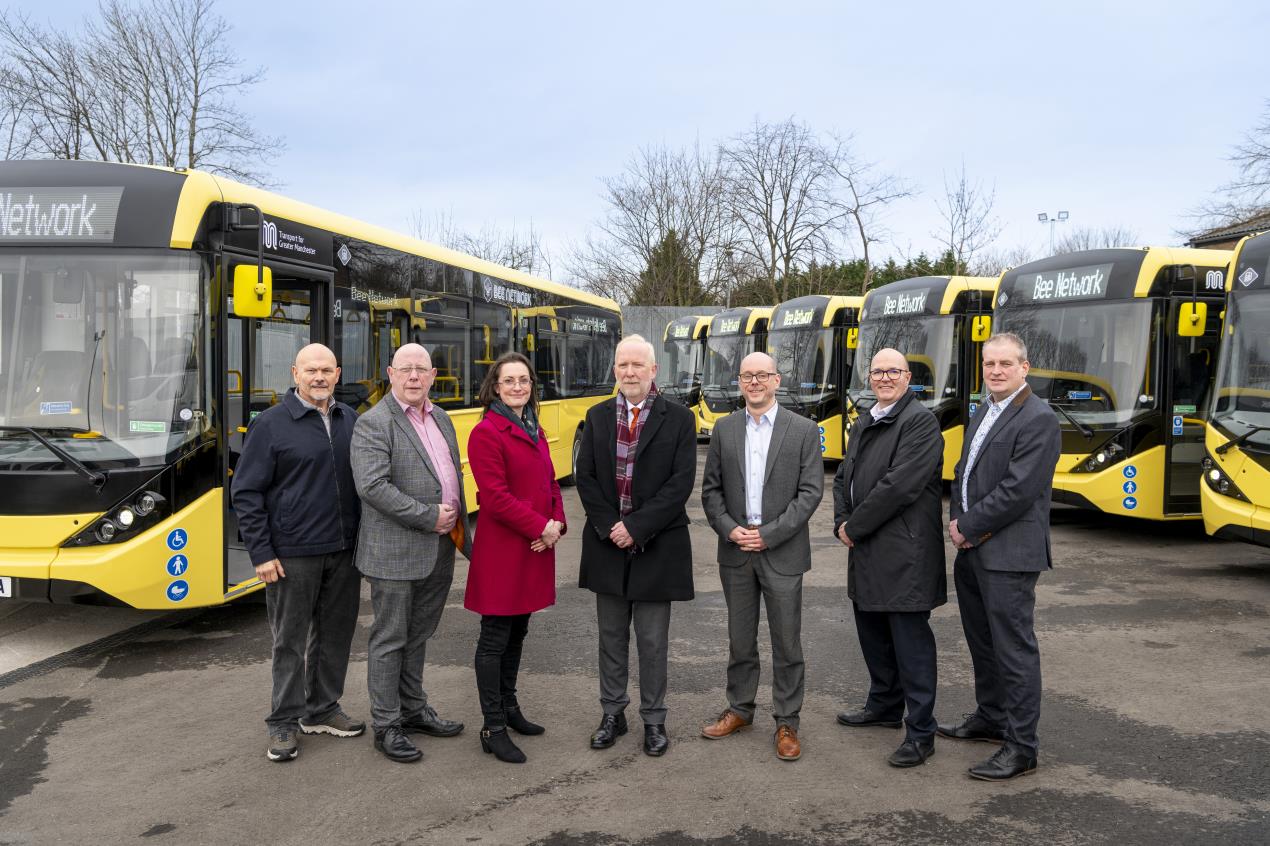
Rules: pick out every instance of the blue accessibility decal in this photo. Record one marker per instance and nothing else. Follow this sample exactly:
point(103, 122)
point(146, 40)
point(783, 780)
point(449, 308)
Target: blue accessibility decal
point(177, 565)
point(177, 539)
point(1130, 487)
point(1080, 395)
point(1130, 502)
point(974, 406)
point(1129, 471)
point(178, 590)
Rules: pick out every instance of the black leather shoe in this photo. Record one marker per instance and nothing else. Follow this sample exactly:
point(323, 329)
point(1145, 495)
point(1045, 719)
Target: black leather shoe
point(427, 722)
point(912, 753)
point(655, 740)
point(1010, 761)
point(516, 721)
point(396, 746)
point(612, 726)
point(865, 717)
point(973, 727)
point(498, 742)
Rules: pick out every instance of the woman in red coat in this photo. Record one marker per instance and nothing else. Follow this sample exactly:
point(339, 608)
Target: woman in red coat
point(513, 568)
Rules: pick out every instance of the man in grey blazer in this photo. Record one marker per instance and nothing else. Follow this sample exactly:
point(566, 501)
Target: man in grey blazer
point(408, 473)
point(763, 480)
point(1000, 510)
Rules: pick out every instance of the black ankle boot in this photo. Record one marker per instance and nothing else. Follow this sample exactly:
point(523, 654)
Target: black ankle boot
point(496, 741)
point(516, 721)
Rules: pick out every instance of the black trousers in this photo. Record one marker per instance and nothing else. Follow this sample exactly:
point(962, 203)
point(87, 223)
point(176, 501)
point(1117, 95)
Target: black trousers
point(899, 650)
point(498, 663)
point(996, 615)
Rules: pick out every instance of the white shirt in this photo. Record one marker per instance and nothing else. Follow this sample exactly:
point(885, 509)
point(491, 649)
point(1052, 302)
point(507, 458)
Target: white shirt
point(758, 437)
point(880, 411)
point(630, 418)
point(989, 418)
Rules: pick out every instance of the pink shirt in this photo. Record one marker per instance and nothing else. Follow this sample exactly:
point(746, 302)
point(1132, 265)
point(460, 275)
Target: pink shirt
point(438, 451)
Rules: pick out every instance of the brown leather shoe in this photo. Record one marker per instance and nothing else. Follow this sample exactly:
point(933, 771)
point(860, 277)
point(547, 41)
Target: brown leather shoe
point(787, 746)
point(729, 722)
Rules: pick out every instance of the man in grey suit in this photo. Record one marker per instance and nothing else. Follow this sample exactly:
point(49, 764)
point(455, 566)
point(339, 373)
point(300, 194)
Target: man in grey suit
point(763, 480)
point(1000, 510)
point(408, 473)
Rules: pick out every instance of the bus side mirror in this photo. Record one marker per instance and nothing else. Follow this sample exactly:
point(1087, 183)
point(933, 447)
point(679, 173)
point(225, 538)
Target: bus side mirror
point(981, 328)
point(253, 293)
point(853, 338)
point(1191, 318)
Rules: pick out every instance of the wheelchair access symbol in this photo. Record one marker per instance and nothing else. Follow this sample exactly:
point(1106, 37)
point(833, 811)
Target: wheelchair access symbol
point(1130, 471)
point(177, 539)
point(177, 565)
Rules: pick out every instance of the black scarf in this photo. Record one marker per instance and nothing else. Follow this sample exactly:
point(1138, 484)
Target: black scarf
point(528, 422)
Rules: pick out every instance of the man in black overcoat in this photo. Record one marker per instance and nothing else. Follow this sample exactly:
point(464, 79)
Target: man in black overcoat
point(636, 468)
point(888, 511)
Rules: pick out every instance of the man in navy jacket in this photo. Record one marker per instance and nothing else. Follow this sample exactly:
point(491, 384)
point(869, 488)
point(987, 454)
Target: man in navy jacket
point(298, 513)
point(1000, 510)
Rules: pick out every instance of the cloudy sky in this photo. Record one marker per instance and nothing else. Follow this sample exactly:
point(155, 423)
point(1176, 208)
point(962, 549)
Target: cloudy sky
point(1121, 113)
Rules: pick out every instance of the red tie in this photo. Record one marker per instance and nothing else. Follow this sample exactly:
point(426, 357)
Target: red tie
point(634, 417)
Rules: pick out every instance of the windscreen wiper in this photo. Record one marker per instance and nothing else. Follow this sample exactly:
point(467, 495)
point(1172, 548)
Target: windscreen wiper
point(1241, 440)
point(97, 478)
point(1080, 427)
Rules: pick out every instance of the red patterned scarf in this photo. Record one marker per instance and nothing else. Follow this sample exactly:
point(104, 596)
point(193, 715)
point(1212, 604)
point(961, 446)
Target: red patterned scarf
point(627, 441)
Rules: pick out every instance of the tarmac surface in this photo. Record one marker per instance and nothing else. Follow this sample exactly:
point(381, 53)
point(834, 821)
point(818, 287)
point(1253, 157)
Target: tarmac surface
point(1155, 728)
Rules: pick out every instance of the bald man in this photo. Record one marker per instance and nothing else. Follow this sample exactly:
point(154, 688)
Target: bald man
point(407, 470)
point(763, 480)
point(298, 514)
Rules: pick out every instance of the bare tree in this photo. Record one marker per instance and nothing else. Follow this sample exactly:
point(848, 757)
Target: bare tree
point(512, 248)
point(154, 83)
point(969, 225)
point(780, 191)
point(866, 194)
point(661, 191)
point(1096, 238)
point(993, 261)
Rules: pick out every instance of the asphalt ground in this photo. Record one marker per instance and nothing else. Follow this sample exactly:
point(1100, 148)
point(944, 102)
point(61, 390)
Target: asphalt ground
point(1154, 730)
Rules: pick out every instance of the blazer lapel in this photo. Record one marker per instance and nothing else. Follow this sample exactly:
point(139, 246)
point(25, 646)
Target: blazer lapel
point(738, 438)
point(1006, 415)
point(656, 412)
point(407, 428)
point(779, 428)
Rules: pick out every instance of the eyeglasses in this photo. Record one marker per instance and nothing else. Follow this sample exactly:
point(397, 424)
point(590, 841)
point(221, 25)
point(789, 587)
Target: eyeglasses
point(761, 378)
point(523, 381)
point(891, 373)
point(414, 370)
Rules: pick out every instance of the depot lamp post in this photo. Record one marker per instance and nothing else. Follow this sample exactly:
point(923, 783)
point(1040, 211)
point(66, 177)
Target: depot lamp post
point(1061, 217)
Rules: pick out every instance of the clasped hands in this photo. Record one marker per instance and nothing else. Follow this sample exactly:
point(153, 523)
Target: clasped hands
point(748, 539)
point(549, 538)
point(958, 539)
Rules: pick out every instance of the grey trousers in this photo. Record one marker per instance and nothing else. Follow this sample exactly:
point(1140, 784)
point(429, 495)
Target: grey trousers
point(782, 595)
point(652, 637)
point(312, 613)
point(406, 615)
point(997, 617)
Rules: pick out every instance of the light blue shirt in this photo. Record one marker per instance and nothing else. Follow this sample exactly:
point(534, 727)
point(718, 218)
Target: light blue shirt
point(758, 437)
point(989, 418)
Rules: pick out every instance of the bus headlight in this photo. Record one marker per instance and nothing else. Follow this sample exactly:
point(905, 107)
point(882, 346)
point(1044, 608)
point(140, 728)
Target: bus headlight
point(1218, 481)
point(106, 531)
point(1107, 455)
point(146, 503)
point(125, 521)
point(125, 517)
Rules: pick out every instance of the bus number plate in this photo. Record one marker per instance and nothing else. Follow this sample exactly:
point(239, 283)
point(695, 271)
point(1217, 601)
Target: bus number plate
point(6, 587)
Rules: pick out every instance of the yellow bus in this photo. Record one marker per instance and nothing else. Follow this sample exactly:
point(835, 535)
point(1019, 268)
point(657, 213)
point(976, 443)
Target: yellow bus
point(1235, 495)
point(734, 334)
point(940, 324)
point(139, 336)
point(1126, 376)
point(682, 359)
point(808, 337)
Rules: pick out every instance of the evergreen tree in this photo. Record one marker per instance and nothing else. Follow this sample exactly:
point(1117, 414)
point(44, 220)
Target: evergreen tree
point(672, 277)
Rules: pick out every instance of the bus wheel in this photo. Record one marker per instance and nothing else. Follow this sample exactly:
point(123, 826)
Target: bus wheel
point(571, 479)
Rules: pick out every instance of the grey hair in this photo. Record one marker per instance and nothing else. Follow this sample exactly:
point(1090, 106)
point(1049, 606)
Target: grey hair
point(638, 339)
point(1011, 338)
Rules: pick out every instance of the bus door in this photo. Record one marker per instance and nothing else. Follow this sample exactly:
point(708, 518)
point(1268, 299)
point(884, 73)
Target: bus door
point(259, 355)
point(1188, 374)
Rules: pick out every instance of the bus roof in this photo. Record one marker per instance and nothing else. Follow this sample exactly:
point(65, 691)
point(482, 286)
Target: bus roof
point(742, 320)
point(815, 310)
point(923, 295)
point(694, 326)
point(165, 207)
point(1250, 265)
point(1111, 274)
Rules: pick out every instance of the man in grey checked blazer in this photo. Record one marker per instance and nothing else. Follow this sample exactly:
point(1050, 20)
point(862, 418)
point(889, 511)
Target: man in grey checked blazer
point(408, 473)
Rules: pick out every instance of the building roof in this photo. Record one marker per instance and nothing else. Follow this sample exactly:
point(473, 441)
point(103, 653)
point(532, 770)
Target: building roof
point(1232, 232)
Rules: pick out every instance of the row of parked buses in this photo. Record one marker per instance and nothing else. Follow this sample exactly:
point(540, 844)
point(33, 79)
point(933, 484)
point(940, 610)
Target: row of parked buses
point(1156, 362)
point(147, 315)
